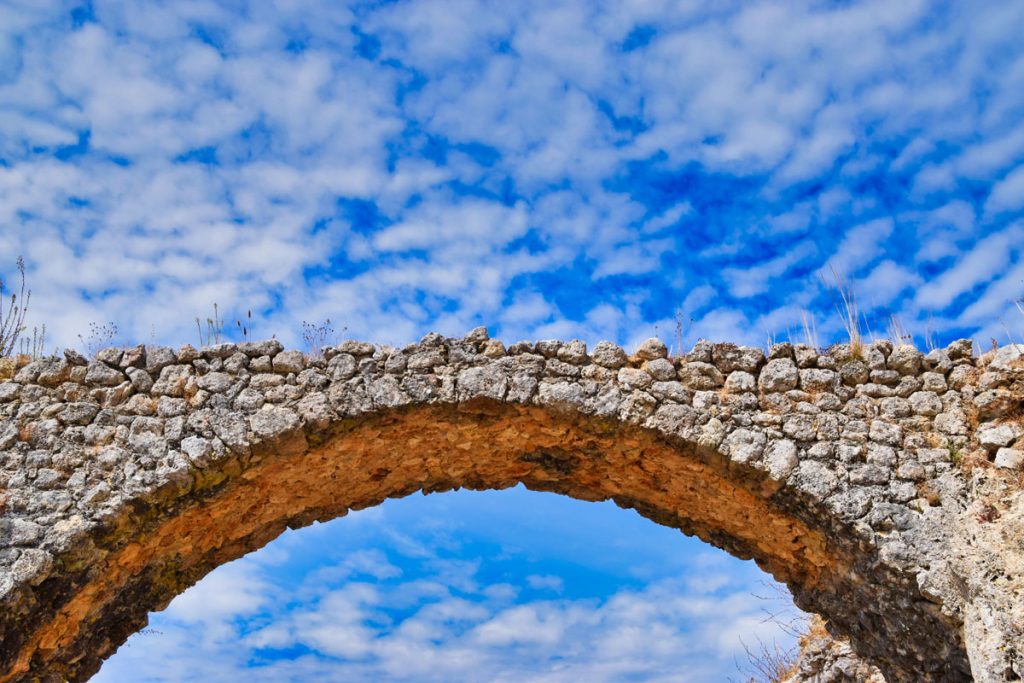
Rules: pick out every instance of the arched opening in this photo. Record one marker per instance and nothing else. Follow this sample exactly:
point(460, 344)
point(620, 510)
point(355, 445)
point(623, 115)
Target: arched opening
point(506, 585)
point(153, 550)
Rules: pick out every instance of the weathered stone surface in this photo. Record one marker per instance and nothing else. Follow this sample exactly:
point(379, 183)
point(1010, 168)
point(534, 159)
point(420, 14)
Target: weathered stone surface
point(1008, 359)
point(844, 476)
point(905, 359)
point(700, 376)
point(609, 355)
point(100, 374)
point(778, 375)
point(731, 358)
point(651, 349)
point(996, 436)
point(289, 361)
point(824, 659)
point(1010, 458)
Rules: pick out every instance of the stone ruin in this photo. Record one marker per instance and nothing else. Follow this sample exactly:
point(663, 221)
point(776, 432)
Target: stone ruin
point(882, 485)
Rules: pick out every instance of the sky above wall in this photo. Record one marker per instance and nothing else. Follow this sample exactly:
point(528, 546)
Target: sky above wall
point(547, 169)
point(567, 169)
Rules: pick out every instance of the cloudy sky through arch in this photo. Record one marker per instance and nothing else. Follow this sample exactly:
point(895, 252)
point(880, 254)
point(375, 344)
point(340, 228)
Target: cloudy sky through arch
point(502, 586)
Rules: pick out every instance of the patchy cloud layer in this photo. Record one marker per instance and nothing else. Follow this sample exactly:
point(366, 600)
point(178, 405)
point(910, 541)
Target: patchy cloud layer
point(546, 169)
point(460, 587)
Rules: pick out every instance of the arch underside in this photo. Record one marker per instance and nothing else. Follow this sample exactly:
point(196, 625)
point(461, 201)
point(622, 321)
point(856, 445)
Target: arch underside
point(154, 550)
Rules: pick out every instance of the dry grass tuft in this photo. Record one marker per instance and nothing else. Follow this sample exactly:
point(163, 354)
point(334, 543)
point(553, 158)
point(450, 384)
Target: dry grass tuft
point(768, 663)
point(848, 310)
point(810, 329)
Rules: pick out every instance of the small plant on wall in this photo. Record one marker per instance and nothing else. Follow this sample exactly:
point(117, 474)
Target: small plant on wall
point(99, 338)
point(317, 336)
point(12, 320)
point(214, 330)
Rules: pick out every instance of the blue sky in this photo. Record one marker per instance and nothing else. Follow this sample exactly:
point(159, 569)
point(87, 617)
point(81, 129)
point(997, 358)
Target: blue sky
point(548, 169)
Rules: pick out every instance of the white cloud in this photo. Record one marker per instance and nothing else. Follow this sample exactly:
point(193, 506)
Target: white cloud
point(860, 246)
point(981, 264)
point(746, 282)
point(1008, 194)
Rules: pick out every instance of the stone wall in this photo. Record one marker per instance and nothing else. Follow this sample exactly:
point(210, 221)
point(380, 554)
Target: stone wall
point(882, 485)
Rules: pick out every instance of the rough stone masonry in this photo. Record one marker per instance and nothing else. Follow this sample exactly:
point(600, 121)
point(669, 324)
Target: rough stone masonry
point(881, 484)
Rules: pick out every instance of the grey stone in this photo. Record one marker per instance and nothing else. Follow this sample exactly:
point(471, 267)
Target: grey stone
point(556, 368)
point(561, 395)
point(573, 352)
point(739, 380)
point(608, 355)
point(806, 356)
point(702, 352)
point(494, 348)
point(289, 361)
point(53, 372)
point(158, 358)
point(951, 422)
point(780, 458)
point(140, 379)
point(652, 349)
point(358, 348)
point(905, 359)
point(256, 349)
point(886, 433)
point(198, 450)
point(78, 413)
point(933, 381)
point(633, 378)
point(670, 391)
point(994, 403)
point(215, 382)
point(134, 357)
point(482, 382)
point(189, 354)
point(1008, 359)
point(74, 358)
point(173, 380)
point(996, 436)
point(386, 392)
point(110, 356)
point(1010, 458)
point(661, 369)
point(961, 348)
point(925, 403)
point(731, 358)
point(225, 350)
point(885, 377)
point(745, 446)
point(700, 376)
point(425, 360)
point(818, 380)
point(548, 347)
point(778, 375)
point(854, 372)
point(103, 375)
point(799, 427)
point(272, 422)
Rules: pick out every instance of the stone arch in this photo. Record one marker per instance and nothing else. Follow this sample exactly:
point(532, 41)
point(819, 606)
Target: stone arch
point(130, 477)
